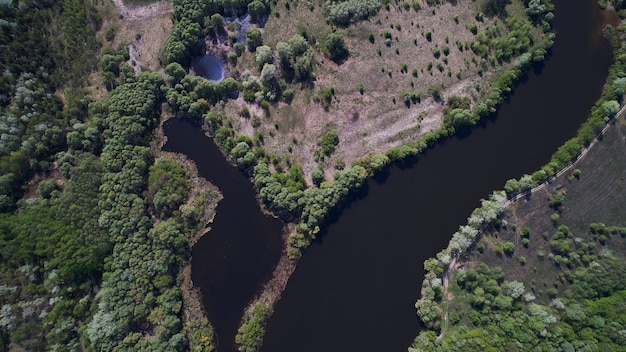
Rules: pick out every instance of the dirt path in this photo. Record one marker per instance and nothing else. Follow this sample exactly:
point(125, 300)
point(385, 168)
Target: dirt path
point(571, 164)
point(143, 12)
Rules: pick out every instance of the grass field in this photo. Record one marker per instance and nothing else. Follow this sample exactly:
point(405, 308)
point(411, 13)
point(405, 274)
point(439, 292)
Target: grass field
point(399, 51)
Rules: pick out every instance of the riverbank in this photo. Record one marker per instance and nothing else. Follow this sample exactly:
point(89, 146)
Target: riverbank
point(282, 182)
point(419, 219)
point(203, 196)
point(449, 262)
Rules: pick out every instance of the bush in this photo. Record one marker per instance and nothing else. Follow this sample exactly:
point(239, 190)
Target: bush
point(329, 141)
point(253, 39)
point(336, 46)
point(109, 34)
point(317, 176)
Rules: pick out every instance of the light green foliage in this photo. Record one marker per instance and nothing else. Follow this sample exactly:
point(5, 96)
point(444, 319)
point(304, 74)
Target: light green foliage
point(279, 192)
point(494, 314)
point(250, 334)
point(460, 118)
point(263, 55)
point(195, 94)
point(345, 11)
point(242, 154)
point(610, 108)
point(269, 73)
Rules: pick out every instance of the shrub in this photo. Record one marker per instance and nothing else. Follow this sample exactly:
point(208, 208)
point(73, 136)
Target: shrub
point(317, 176)
point(474, 28)
point(336, 46)
point(328, 141)
point(253, 39)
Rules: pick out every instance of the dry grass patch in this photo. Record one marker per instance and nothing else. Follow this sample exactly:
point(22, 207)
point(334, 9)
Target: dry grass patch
point(143, 29)
point(383, 90)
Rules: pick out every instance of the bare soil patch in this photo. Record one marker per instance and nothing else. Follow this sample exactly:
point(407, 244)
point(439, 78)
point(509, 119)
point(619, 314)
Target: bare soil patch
point(142, 29)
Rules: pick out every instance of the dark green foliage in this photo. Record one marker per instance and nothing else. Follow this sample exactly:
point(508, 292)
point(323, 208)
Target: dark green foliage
point(168, 187)
point(336, 46)
point(110, 63)
point(192, 15)
point(495, 7)
point(36, 59)
point(183, 42)
point(109, 34)
point(317, 203)
point(257, 10)
point(63, 231)
point(253, 39)
point(328, 142)
point(317, 176)
point(136, 290)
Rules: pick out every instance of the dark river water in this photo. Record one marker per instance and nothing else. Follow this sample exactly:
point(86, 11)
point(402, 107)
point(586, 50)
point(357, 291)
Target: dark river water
point(230, 263)
point(355, 288)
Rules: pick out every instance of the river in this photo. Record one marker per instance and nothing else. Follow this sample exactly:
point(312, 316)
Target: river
point(233, 261)
point(355, 288)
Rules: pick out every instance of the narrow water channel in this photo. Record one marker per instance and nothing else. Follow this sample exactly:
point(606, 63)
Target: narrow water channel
point(230, 263)
point(355, 288)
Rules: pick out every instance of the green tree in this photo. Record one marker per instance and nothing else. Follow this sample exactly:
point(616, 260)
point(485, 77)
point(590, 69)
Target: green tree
point(253, 38)
point(336, 46)
point(257, 10)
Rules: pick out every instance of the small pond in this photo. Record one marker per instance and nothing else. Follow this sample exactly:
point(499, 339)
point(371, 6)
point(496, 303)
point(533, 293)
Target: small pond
point(208, 66)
